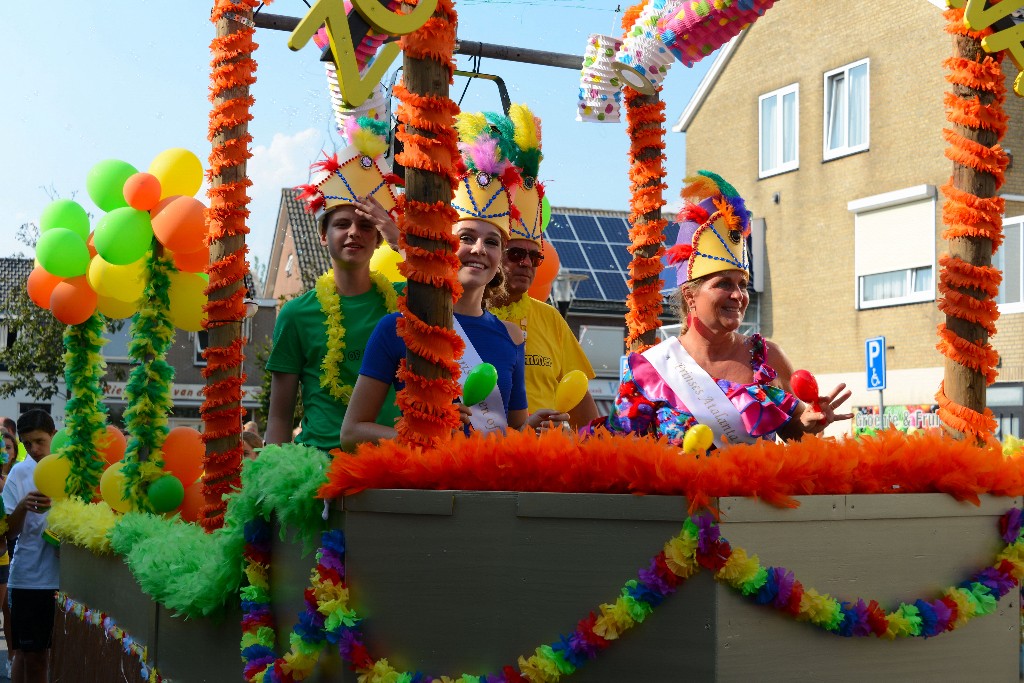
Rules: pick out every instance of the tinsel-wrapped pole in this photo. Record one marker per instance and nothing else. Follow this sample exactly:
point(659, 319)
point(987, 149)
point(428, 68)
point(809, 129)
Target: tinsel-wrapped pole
point(430, 156)
point(972, 213)
point(86, 414)
point(232, 72)
point(645, 125)
point(148, 391)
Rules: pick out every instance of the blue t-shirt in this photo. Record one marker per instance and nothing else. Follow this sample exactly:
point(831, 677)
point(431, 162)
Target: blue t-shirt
point(489, 336)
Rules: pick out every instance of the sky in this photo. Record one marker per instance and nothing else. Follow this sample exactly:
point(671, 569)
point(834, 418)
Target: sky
point(91, 81)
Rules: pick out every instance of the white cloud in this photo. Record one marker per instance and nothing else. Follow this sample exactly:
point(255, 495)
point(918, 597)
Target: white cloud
point(283, 163)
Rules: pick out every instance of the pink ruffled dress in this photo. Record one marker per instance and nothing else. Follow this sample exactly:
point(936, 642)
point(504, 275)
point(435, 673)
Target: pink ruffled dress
point(646, 405)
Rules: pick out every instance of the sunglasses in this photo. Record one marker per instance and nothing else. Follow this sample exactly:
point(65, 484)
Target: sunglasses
point(517, 255)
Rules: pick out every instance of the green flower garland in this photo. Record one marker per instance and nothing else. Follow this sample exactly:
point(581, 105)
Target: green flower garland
point(86, 413)
point(147, 392)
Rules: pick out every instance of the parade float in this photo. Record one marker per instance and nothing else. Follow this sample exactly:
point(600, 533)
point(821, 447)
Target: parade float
point(529, 557)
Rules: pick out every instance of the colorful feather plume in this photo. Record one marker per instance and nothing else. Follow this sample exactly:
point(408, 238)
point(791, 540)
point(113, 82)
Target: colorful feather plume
point(367, 135)
point(527, 137)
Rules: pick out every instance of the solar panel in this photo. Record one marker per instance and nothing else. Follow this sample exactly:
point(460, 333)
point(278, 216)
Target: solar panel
point(570, 255)
point(558, 228)
point(600, 256)
point(588, 290)
point(616, 230)
point(586, 229)
point(614, 286)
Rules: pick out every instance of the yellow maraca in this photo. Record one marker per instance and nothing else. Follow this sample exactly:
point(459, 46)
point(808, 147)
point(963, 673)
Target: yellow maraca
point(571, 390)
point(698, 439)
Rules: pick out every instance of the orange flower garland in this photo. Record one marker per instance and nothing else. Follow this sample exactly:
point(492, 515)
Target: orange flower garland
point(645, 124)
point(428, 135)
point(232, 67)
point(968, 216)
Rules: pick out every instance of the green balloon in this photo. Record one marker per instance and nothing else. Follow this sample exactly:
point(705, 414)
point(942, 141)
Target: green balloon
point(62, 252)
point(545, 214)
point(166, 493)
point(65, 213)
point(60, 440)
point(123, 236)
point(479, 384)
point(105, 183)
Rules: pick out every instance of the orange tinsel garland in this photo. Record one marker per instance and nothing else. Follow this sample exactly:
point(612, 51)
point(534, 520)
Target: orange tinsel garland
point(970, 216)
point(890, 462)
point(232, 67)
point(429, 140)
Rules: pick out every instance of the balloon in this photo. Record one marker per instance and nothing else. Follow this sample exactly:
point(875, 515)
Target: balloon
point(51, 476)
point(193, 502)
point(91, 244)
point(480, 382)
point(64, 213)
point(40, 286)
point(142, 191)
point(165, 494)
point(183, 454)
point(179, 171)
point(115, 309)
point(180, 223)
point(187, 298)
point(385, 261)
point(112, 488)
point(805, 387)
point(124, 235)
point(63, 252)
point(117, 282)
point(571, 390)
point(192, 261)
point(545, 214)
point(73, 301)
point(698, 439)
point(547, 271)
point(105, 183)
point(111, 444)
point(59, 441)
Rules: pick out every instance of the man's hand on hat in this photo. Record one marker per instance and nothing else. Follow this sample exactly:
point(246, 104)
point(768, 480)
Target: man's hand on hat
point(369, 207)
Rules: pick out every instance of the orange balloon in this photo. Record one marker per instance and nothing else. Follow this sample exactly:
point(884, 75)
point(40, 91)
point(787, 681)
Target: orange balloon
point(40, 286)
point(192, 505)
point(547, 271)
point(183, 454)
point(193, 261)
point(73, 301)
point(142, 191)
point(180, 223)
point(111, 445)
point(90, 245)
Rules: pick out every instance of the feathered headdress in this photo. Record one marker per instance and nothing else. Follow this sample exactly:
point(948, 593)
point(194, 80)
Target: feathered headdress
point(713, 227)
point(359, 170)
point(527, 155)
point(486, 189)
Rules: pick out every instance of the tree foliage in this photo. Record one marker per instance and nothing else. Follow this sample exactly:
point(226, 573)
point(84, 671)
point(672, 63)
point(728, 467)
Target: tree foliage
point(35, 361)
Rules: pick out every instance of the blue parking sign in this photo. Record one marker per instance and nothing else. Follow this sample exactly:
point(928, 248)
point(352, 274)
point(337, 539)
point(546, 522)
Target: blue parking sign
point(874, 350)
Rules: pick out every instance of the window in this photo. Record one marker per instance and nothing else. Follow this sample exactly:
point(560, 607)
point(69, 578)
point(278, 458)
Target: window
point(1008, 260)
point(116, 348)
point(846, 110)
point(288, 264)
point(894, 247)
point(779, 123)
point(200, 341)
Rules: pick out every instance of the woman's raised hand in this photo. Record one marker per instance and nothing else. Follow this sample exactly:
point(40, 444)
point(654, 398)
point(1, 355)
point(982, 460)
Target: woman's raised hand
point(815, 421)
point(546, 419)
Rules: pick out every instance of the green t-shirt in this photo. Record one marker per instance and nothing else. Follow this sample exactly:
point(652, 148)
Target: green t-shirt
point(300, 344)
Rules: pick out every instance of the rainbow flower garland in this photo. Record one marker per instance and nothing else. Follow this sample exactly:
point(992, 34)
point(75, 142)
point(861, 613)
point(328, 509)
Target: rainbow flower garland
point(114, 632)
point(330, 302)
point(329, 618)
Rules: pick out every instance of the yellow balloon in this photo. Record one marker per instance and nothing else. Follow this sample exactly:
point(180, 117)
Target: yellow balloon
point(571, 390)
point(385, 261)
point(179, 172)
point(51, 476)
point(117, 282)
point(187, 300)
point(115, 308)
point(112, 488)
point(698, 439)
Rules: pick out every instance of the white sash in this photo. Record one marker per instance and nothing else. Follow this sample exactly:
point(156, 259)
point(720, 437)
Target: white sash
point(704, 399)
point(489, 414)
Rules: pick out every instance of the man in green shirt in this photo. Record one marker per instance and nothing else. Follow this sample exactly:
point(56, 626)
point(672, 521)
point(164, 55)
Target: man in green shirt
point(319, 337)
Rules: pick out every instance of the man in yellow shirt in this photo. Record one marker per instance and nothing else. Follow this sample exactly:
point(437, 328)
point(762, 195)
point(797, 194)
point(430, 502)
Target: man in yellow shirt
point(552, 350)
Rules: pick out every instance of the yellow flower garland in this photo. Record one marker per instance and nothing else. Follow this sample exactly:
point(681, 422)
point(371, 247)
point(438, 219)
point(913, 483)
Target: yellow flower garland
point(330, 302)
point(514, 312)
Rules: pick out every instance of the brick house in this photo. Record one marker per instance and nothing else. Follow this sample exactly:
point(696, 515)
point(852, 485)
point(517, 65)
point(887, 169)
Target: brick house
point(827, 116)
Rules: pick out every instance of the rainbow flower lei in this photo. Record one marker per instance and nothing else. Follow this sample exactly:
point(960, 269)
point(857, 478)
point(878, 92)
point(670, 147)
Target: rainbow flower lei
point(329, 618)
point(113, 632)
point(330, 302)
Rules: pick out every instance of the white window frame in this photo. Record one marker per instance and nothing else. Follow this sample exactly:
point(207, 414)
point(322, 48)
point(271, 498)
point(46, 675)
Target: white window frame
point(783, 167)
point(911, 297)
point(1017, 307)
point(827, 152)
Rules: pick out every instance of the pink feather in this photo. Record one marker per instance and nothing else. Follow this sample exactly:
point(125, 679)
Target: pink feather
point(484, 154)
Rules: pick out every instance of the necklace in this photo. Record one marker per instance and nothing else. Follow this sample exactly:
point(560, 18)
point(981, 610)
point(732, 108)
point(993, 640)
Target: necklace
point(330, 303)
point(515, 312)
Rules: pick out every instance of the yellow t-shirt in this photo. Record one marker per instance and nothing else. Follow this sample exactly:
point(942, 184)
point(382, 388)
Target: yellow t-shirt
point(552, 351)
